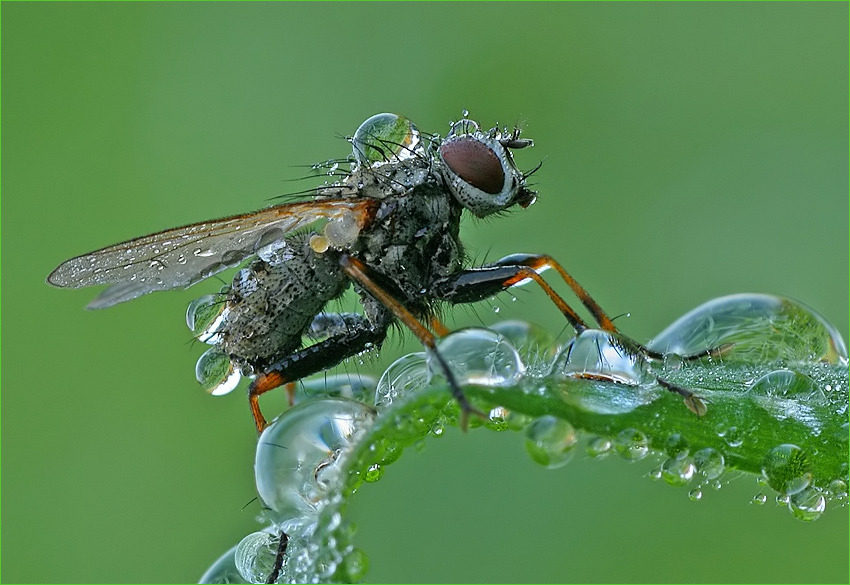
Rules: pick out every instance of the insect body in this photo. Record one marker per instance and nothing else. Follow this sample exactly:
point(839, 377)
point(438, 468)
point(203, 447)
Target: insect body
point(392, 230)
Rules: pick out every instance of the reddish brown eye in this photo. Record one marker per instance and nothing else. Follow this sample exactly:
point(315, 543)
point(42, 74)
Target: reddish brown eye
point(474, 162)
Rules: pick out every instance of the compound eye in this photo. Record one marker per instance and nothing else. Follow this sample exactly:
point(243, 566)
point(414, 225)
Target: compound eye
point(474, 162)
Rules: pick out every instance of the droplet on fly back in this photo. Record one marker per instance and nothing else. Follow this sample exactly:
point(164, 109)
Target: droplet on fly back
point(754, 327)
point(298, 458)
point(384, 138)
point(215, 372)
point(204, 316)
point(479, 356)
point(341, 232)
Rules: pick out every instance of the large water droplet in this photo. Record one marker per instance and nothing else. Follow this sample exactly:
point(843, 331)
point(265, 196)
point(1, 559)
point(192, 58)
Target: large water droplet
point(215, 372)
point(223, 570)
point(479, 356)
point(709, 463)
point(601, 357)
point(678, 471)
point(298, 457)
point(534, 343)
point(759, 328)
point(550, 441)
point(384, 138)
point(807, 505)
point(787, 469)
point(404, 376)
point(255, 556)
point(632, 444)
point(358, 387)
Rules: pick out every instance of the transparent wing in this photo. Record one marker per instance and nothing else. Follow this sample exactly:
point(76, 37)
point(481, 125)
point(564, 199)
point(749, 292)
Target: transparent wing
point(180, 257)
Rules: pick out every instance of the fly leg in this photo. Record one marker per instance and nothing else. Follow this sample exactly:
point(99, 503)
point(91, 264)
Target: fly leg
point(360, 274)
point(476, 284)
point(541, 262)
point(351, 335)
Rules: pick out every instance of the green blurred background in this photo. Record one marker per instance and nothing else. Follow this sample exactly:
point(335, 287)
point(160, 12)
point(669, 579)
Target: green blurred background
point(691, 150)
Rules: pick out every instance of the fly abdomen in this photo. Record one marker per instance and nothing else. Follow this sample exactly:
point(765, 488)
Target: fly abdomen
point(273, 300)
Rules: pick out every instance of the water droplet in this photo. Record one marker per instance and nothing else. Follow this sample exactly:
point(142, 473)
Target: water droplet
point(255, 555)
point(787, 469)
point(215, 372)
point(784, 384)
point(384, 138)
point(298, 457)
point(756, 328)
point(709, 463)
point(204, 317)
point(695, 495)
point(535, 344)
point(596, 354)
point(782, 499)
point(479, 356)
point(354, 566)
point(550, 441)
point(598, 447)
point(655, 474)
point(734, 437)
point(807, 505)
point(677, 446)
point(631, 444)
point(223, 570)
point(760, 499)
point(373, 473)
point(838, 489)
point(403, 377)
point(342, 231)
point(496, 309)
point(678, 472)
point(498, 418)
point(359, 387)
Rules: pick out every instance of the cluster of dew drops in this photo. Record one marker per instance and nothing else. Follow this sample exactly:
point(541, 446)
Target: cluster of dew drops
point(303, 456)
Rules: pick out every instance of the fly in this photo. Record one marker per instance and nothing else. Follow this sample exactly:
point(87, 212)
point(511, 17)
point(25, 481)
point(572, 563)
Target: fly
point(392, 231)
